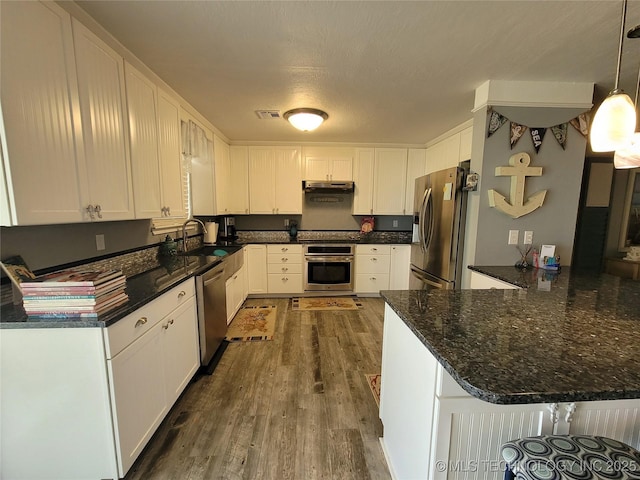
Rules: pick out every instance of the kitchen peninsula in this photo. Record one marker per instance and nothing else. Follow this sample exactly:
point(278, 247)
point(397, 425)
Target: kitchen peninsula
point(464, 371)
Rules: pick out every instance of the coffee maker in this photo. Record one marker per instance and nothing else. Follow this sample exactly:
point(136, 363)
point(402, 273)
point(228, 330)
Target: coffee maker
point(228, 229)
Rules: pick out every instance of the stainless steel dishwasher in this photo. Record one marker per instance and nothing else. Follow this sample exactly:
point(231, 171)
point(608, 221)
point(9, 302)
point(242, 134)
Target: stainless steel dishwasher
point(212, 310)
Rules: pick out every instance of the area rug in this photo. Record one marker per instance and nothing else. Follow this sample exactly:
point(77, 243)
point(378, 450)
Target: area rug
point(374, 384)
point(253, 323)
point(325, 303)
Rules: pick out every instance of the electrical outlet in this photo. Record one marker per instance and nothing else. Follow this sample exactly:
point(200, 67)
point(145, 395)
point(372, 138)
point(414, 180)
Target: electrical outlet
point(100, 242)
point(528, 237)
point(286, 223)
point(395, 224)
point(513, 237)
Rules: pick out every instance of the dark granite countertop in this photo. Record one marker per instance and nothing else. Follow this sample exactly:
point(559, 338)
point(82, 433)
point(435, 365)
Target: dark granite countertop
point(578, 341)
point(531, 278)
point(141, 289)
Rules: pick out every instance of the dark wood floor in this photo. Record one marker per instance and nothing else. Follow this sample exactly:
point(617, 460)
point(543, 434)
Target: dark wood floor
point(296, 407)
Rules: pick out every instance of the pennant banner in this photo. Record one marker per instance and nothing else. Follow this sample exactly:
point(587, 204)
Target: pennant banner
point(537, 135)
point(560, 132)
point(495, 122)
point(517, 131)
point(581, 124)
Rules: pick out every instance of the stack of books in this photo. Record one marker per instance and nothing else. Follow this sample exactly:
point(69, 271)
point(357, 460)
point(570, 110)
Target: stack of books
point(74, 293)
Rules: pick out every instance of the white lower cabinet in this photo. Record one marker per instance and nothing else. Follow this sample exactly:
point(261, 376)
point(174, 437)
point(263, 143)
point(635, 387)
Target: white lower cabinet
point(284, 268)
point(256, 257)
point(151, 356)
point(433, 429)
point(103, 393)
point(382, 267)
point(235, 287)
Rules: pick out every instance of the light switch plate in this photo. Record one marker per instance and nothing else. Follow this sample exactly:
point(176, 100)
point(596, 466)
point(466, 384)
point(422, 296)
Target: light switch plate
point(100, 242)
point(513, 237)
point(528, 237)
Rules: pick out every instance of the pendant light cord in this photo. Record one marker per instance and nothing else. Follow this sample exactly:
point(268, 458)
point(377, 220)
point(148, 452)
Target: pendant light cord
point(624, 18)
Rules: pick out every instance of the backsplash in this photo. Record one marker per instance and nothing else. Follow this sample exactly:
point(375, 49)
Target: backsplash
point(256, 236)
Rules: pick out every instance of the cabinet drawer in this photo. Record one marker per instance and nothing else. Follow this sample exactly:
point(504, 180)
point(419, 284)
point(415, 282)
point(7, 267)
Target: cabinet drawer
point(280, 269)
point(134, 325)
point(373, 263)
point(373, 249)
point(289, 283)
point(280, 258)
point(371, 283)
point(283, 248)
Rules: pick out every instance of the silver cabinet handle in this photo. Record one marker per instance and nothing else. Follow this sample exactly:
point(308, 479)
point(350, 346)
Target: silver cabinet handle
point(284, 259)
point(372, 278)
point(374, 249)
point(284, 279)
point(98, 209)
point(374, 259)
point(141, 321)
point(170, 322)
point(90, 211)
point(284, 269)
point(284, 249)
point(182, 294)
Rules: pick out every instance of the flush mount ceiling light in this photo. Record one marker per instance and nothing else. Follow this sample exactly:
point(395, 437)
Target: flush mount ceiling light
point(305, 119)
point(615, 119)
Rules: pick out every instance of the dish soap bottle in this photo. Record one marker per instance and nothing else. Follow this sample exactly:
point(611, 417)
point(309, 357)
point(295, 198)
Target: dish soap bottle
point(293, 230)
point(169, 247)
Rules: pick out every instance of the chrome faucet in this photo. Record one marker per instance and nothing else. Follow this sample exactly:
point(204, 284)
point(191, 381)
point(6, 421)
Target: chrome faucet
point(184, 231)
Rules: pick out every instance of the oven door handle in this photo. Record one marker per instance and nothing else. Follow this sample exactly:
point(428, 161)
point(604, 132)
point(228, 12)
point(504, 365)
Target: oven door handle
point(341, 259)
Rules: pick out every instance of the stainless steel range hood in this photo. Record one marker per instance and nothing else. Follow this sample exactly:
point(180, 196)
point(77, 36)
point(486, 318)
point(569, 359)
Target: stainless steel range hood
point(327, 186)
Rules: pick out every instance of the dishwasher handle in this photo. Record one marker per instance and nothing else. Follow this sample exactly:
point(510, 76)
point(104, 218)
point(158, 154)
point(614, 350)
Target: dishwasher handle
point(213, 275)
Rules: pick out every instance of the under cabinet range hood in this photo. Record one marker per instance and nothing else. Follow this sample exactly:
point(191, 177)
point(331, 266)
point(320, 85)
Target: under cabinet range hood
point(327, 186)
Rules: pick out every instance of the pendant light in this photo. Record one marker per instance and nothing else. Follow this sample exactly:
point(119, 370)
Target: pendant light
point(305, 119)
point(629, 155)
point(615, 119)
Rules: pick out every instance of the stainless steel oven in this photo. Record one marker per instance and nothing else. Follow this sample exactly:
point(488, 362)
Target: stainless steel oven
point(328, 267)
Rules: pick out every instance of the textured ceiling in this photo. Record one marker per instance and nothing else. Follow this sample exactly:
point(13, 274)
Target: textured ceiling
point(384, 71)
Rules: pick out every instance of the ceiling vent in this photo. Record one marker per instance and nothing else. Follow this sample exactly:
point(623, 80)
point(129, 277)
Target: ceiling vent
point(268, 114)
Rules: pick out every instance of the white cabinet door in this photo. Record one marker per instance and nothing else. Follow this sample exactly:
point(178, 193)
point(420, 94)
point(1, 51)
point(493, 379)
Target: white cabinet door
point(444, 154)
point(238, 199)
point(416, 167)
point(390, 181)
point(363, 168)
point(328, 168)
point(341, 168)
point(173, 184)
point(143, 132)
point(222, 172)
point(181, 349)
point(400, 270)
point(275, 180)
point(261, 180)
point(288, 176)
point(234, 297)
point(138, 394)
point(40, 109)
point(197, 147)
point(256, 269)
point(108, 189)
point(316, 168)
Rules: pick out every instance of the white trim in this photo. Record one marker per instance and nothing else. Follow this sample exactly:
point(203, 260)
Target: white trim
point(534, 94)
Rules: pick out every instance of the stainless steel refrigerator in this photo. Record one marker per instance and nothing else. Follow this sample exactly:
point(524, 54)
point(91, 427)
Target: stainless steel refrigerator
point(440, 207)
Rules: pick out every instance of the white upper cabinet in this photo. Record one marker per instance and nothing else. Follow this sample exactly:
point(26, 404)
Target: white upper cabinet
point(143, 130)
point(169, 149)
point(107, 194)
point(42, 141)
point(363, 180)
point(197, 148)
point(238, 200)
point(222, 172)
point(328, 163)
point(450, 151)
point(416, 167)
point(275, 180)
point(390, 181)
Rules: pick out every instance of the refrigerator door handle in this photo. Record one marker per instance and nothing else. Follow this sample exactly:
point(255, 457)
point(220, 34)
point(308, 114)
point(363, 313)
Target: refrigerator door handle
point(421, 219)
point(428, 231)
point(424, 279)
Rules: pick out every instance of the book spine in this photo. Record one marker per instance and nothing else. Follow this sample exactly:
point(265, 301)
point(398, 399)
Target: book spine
point(28, 298)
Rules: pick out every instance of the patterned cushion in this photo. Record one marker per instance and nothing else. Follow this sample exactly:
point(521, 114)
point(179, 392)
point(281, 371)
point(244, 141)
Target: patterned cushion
point(560, 457)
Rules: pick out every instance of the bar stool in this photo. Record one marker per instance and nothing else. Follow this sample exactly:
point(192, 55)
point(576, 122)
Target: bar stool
point(560, 457)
